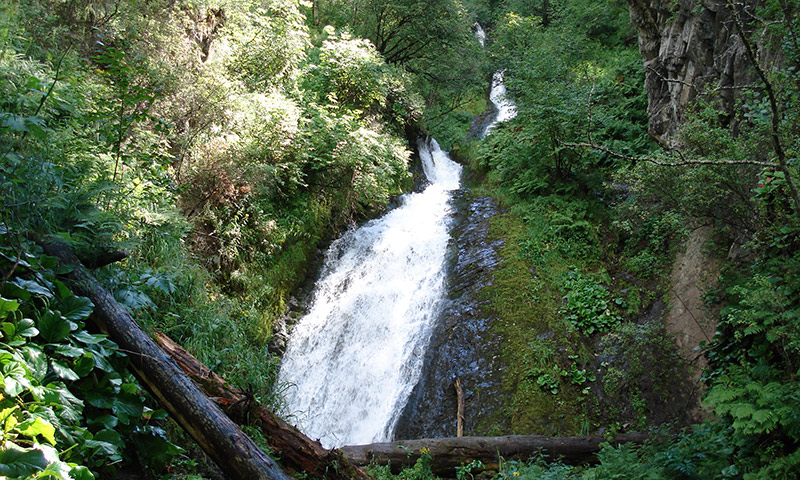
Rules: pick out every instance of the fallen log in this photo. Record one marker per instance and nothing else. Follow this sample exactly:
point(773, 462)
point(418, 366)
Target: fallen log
point(303, 454)
point(449, 453)
point(298, 452)
point(233, 451)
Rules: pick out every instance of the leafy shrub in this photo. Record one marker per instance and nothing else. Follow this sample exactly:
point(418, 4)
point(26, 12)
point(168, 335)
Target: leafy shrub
point(587, 304)
point(63, 386)
point(269, 44)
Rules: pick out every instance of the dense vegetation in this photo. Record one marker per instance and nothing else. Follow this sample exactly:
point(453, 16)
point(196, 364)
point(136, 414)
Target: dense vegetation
point(222, 143)
point(591, 234)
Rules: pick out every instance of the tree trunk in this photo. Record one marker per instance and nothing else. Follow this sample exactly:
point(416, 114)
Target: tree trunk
point(298, 452)
point(233, 451)
point(303, 454)
point(449, 453)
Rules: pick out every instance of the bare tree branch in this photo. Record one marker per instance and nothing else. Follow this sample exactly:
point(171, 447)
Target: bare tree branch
point(682, 162)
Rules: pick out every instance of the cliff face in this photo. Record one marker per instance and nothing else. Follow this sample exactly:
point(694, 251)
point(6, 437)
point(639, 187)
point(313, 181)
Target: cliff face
point(688, 47)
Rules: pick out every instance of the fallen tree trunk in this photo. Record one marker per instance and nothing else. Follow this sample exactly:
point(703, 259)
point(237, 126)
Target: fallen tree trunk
point(303, 454)
point(298, 452)
point(449, 453)
point(233, 451)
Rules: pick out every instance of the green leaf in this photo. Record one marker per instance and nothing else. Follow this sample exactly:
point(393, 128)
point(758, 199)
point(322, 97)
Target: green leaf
point(8, 329)
point(7, 306)
point(99, 399)
point(15, 378)
point(27, 328)
point(128, 407)
point(106, 448)
point(33, 287)
point(7, 418)
point(76, 308)
point(19, 462)
point(37, 362)
point(762, 416)
point(83, 364)
point(63, 371)
point(13, 291)
point(106, 421)
point(70, 351)
point(38, 426)
point(153, 446)
point(80, 472)
point(12, 386)
point(110, 436)
point(53, 327)
point(88, 338)
point(62, 291)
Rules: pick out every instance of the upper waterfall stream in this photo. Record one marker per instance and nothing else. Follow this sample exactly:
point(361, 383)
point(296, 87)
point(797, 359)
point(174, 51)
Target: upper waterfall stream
point(352, 360)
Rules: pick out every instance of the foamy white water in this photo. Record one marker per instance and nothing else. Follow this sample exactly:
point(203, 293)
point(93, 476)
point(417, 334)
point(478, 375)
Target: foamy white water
point(506, 110)
point(352, 361)
point(480, 34)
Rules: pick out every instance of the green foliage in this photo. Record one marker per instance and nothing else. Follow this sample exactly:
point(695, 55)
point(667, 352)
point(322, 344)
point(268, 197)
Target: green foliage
point(464, 472)
point(420, 471)
point(537, 468)
point(269, 43)
point(587, 304)
point(568, 87)
point(353, 71)
point(64, 387)
point(432, 39)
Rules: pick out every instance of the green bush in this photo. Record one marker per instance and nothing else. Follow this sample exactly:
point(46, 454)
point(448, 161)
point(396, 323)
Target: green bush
point(587, 304)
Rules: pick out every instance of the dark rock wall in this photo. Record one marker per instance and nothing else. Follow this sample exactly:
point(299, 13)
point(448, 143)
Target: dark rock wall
point(688, 47)
point(462, 344)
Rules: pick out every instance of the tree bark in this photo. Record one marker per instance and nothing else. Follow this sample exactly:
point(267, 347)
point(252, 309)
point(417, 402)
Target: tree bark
point(449, 453)
point(298, 452)
point(233, 451)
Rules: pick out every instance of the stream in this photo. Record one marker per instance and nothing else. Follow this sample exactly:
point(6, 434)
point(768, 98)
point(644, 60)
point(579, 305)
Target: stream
point(352, 361)
point(358, 368)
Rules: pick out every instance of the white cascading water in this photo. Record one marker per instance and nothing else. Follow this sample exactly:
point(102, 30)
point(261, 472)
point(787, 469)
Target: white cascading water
point(506, 110)
point(353, 359)
point(480, 34)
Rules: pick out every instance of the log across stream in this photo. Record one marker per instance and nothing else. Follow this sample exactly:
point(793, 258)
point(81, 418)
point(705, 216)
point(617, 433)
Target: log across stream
point(205, 405)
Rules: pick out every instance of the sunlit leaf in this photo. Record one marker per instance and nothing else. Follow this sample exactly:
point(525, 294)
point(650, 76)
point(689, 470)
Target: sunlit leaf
point(38, 426)
point(27, 328)
point(76, 308)
point(37, 362)
point(7, 306)
point(63, 371)
point(19, 462)
point(81, 473)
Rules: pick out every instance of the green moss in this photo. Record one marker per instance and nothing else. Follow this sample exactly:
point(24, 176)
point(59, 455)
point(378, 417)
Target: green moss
point(536, 343)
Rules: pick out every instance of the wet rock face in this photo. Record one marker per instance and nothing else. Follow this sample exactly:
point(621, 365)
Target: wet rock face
point(688, 47)
point(462, 344)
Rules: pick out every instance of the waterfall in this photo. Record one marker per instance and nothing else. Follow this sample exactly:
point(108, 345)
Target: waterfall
point(480, 34)
point(353, 359)
point(506, 110)
point(503, 109)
